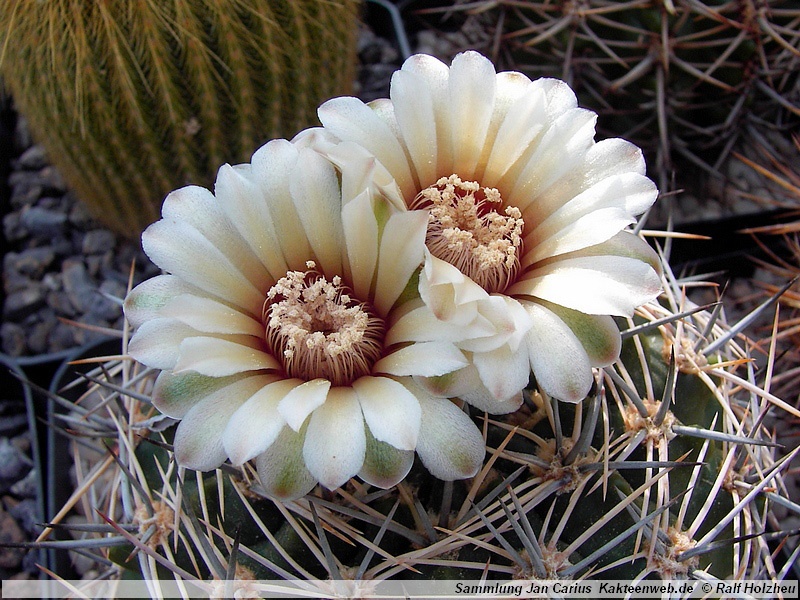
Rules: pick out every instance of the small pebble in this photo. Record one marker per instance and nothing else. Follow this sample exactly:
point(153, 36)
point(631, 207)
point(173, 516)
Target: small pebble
point(12, 462)
point(10, 533)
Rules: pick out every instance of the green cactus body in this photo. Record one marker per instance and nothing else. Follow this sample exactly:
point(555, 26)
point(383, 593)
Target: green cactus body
point(135, 99)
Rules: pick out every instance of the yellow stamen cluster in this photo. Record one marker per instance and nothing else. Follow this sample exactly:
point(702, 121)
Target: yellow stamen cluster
point(465, 231)
point(318, 330)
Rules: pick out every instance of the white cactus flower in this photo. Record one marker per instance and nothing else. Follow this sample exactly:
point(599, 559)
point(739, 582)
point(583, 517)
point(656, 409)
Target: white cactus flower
point(528, 249)
point(274, 326)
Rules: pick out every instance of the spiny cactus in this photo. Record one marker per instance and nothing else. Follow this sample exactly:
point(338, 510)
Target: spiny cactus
point(136, 99)
point(668, 470)
point(685, 80)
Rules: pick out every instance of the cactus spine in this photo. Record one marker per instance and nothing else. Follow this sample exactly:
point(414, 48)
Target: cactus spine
point(134, 99)
point(668, 470)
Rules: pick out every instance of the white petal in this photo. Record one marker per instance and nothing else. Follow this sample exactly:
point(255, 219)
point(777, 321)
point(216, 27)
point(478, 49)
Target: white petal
point(198, 439)
point(427, 359)
point(559, 361)
point(471, 91)
point(281, 467)
point(390, 410)
point(157, 342)
point(175, 393)
point(421, 325)
point(598, 334)
point(509, 323)
point(220, 357)
point(245, 202)
point(302, 400)
point(435, 74)
point(146, 300)
point(448, 292)
point(413, 108)
point(211, 316)
point(177, 247)
point(384, 465)
point(272, 167)
point(361, 237)
point(351, 120)
point(317, 198)
point(335, 441)
point(504, 372)
point(450, 444)
point(467, 385)
point(598, 285)
point(198, 208)
point(587, 230)
point(401, 253)
point(256, 424)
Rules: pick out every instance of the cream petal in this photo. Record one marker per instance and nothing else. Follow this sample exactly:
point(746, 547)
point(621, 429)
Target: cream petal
point(509, 322)
point(256, 424)
point(598, 334)
point(302, 400)
point(156, 343)
point(466, 384)
point(198, 438)
point(175, 393)
point(427, 359)
point(273, 166)
point(558, 153)
point(435, 74)
point(220, 357)
point(401, 253)
point(211, 316)
point(597, 285)
point(351, 120)
point(242, 199)
point(176, 247)
point(198, 208)
point(558, 359)
point(522, 124)
point(413, 108)
point(450, 444)
point(471, 88)
point(281, 467)
point(335, 441)
point(449, 293)
point(146, 300)
point(421, 325)
point(587, 230)
point(361, 237)
point(318, 202)
point(504, 372)
point(384, 465)
point(390, 410)
point(629, 192)
point(625, 244)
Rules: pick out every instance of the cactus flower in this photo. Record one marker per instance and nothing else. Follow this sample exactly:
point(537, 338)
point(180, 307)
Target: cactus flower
point(273, 326)
point(528, 252)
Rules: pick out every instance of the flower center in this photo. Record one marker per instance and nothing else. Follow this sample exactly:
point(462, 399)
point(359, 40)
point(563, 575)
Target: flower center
point(464, 230)
point(318, 330)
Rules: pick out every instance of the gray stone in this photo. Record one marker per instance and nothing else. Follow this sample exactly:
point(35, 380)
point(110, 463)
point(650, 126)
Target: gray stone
point(40, 334)
point(98, 241)
point(59, 301)
point(10, 533)
point(52, 180)
point(13, 339)
point(33, 159)
point(12, 423)
point(62, 337)
point(104, 307)
point(12, 462)
point(32, 262)
point(27, 487)
point(25, 513)
point(42, 221)
point(12, 227)
point(77, 284)
point(24, 302)
point(79, 216)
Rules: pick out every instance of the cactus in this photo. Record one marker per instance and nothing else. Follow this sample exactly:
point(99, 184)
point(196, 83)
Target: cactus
point(132, 101)
point(684, 80)
point(668, 470)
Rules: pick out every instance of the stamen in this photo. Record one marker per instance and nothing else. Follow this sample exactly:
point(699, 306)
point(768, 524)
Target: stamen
point(318, 330)
point(465, 231)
